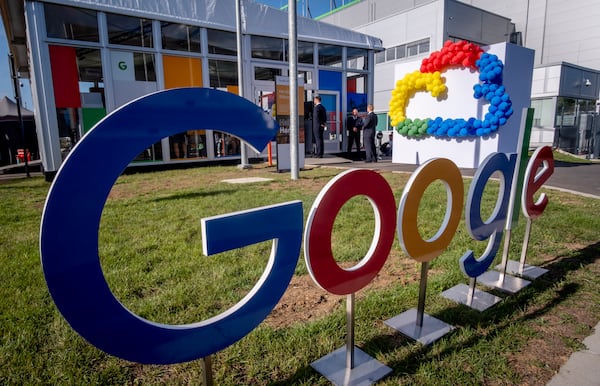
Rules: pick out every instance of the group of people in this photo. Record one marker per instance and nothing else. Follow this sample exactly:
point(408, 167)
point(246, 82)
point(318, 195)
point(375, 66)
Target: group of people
point(355, 124)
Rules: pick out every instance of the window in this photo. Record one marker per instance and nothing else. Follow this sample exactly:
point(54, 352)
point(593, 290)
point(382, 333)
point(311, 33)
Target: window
point(543, 114)
point(390, 54)
point(412, 49)
point(263, 73)
point(71, 23)
point(357, 58)
point(144, 67)
point(226, 144)
point(221, 42)
point(129, 31)
point(306, 52)
point(424, 47)
point(330, 55)
point(222, 74)
point(180, 37)
point(401, 51)
point(267, 48)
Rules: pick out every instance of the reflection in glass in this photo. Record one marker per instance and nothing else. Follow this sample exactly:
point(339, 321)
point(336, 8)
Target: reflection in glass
point(330, 55)
point(222, 73)
point(70, 23)
point(356, 86)
point(226, 145)
point(221, 42)
point(264, 47)
point(188, 144)
point(264, 73)
point(144, 67)
point(180, 37)
point(129, 31)
point(573, 124)
point(306, 52)
point(357, 58)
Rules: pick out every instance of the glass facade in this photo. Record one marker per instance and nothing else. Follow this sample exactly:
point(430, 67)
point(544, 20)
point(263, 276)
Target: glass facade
point(144, 55)
point(573, 124)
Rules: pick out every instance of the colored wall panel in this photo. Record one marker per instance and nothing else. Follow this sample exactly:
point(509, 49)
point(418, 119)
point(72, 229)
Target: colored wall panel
point(65, 76)
point(91, 116)
point(182, 72)
point(330, 80)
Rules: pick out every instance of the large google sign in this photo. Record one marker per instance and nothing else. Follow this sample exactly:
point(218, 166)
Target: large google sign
point(79, 289)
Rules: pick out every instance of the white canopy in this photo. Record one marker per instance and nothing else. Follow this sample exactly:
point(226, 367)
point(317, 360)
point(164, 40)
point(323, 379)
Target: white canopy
point(257, 19)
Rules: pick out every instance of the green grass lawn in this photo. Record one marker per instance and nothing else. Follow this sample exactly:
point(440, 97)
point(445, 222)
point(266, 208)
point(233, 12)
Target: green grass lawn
point(151, 253)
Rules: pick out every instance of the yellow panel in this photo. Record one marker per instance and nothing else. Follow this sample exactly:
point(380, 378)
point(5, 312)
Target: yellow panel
point(182, 72)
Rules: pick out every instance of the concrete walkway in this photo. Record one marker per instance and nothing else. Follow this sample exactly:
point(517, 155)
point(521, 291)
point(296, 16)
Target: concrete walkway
point(583, 367)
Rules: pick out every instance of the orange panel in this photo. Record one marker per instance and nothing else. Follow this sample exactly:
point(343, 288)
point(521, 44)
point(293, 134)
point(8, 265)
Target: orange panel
point(182, 72)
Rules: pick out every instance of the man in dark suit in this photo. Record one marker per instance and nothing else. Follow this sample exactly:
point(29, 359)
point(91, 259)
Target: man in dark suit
point(354, 125)
point(369, 127)
point(319, 123)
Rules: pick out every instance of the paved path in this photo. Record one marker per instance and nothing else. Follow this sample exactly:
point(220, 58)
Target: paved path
point(583, 367)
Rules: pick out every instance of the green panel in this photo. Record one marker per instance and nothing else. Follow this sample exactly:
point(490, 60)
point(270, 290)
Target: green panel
point(91, 116)
point(382, 122)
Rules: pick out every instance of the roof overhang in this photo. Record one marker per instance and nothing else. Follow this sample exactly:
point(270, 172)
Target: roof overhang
point(256, 19)
point(13, 17)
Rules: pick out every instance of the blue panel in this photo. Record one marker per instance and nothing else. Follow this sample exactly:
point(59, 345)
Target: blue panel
point(357, 100)
point(71, 220)
point(330, 80)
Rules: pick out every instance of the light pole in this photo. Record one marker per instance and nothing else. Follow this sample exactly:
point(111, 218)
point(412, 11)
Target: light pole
point(16, 86)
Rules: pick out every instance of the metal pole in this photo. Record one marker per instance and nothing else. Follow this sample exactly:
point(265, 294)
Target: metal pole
point(422, 292)
point(293, 58)
point(207, 378)
point(525, 246)
point(240, 62)
point(350, 331)
point(16, 85)
point(471, 291)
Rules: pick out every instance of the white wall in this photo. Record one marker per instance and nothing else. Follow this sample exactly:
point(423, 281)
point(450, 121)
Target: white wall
point(558, 31)
point(471, 151)
point(546, 81)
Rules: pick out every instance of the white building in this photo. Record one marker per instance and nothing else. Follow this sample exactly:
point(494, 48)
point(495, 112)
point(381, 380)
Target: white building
point(564, 35)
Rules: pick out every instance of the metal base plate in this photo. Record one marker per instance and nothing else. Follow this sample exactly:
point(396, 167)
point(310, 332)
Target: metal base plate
point(510, 284)
point(366, 371)
point(529, 271)
point(431, 330)
point(481, 300)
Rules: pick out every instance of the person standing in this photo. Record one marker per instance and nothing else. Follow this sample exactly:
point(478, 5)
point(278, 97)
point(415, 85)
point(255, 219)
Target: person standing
point(369, 126)
point(319, 122)
point(354, 126)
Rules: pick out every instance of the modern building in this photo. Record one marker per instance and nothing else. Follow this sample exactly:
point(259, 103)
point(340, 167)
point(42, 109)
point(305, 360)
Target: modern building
point(85, 58)
point(564, 35)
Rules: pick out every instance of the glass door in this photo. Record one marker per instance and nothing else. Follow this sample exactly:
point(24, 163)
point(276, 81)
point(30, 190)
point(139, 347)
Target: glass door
point(333, 132)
